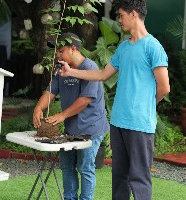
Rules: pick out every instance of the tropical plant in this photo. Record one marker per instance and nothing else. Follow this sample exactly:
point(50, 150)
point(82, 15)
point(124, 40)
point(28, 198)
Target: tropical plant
point(177, 28)
point(22, 46)
point(17, 124)
point(168, 137)
point(22, 91)
point(111, 36)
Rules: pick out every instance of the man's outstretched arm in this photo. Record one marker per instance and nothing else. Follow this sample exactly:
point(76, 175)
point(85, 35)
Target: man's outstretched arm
point(89, 75)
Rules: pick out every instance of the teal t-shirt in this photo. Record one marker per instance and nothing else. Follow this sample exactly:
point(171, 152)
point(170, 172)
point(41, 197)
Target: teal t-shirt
point(134, 105)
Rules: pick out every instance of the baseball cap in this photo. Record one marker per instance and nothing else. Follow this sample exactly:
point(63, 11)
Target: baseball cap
point(65, 39)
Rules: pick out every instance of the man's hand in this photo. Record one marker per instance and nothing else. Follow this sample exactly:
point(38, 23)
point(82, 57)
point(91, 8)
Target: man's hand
point(55, 119)
point(65, 71)
point(37, 116)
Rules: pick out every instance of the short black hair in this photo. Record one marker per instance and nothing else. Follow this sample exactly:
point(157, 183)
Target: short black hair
point(137, 5)
point(66, 39)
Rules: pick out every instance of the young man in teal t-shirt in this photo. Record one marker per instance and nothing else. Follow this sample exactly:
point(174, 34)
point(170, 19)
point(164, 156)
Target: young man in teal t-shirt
point(141, 63)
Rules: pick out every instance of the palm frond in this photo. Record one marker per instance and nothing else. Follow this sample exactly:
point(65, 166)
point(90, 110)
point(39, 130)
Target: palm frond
point(177, 27)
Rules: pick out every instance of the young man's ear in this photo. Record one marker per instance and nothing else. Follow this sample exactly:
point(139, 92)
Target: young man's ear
point(73, 47)
point(134, 14)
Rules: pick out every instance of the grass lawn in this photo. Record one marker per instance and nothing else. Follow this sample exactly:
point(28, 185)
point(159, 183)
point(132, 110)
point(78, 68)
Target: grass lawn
point(19, 188)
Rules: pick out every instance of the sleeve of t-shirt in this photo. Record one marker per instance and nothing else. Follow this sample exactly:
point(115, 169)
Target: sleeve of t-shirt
point(114, 61)
point(89, 88)
point(158, 56)
point(54, 85)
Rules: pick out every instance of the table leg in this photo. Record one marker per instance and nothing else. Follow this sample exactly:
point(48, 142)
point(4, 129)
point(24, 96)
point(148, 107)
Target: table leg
point(46, 179)
point(39, 176)
point(35, 183)
point(59, 188)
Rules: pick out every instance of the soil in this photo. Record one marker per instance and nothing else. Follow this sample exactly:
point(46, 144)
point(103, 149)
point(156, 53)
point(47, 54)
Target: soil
point(63, 138)
point(47, 130)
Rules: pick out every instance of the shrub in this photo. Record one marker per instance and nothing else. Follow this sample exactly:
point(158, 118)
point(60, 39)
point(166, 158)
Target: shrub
point(168, 137)
point(17, 124)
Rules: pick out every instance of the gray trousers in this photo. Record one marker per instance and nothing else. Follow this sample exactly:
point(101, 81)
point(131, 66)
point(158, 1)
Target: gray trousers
point(132, 154)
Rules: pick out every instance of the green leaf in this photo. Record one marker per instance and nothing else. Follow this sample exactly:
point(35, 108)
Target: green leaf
point(112, 24)
point(111, 82)
point(75, 38)
point(104, 52)
point(80, 21)
point(109, 35)
point(43, 11)
point(68, 40)
point(61, 43)
point(94, 9)
point(67, 18)
point(74, 8)
point(86, 52)
point(177, 27)
point(81, 10)
point(53, 21)
point(19, 92)
point(94, 1)
point(87, 21)
point(112, 48)
point(22, 91)
point(166, 98)
point(89, 7)
point(90, 54)
point(54, 9)
point(54, 31)
point(48, 67)
point(73, 21)
point(26, 89)
point(47, 58)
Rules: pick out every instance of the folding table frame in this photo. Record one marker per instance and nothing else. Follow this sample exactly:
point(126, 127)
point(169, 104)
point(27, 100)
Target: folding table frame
point(39, 170)
point(27, 139)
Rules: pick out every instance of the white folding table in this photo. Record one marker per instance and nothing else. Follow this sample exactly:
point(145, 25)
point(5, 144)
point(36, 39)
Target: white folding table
point(27, 139)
